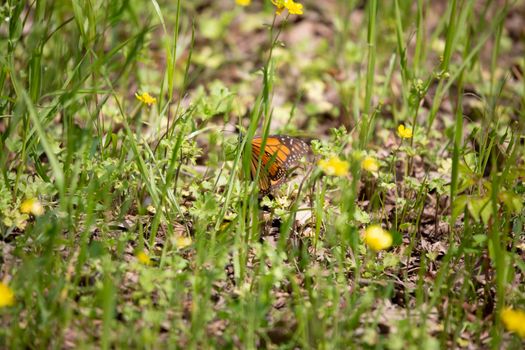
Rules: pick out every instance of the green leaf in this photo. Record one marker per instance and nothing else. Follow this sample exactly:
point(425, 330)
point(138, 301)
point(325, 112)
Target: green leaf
point(511, 201)
point(480, 209)
point(459, 206)
point(361, 216)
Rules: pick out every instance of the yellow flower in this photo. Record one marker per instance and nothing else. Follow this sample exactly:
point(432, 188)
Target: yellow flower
point(403, 132)
point(280, 5)
point(377, 238)
point(370, 164)
point(182, 242)
point(514, 321)
point(151, 209)
point(293, 7)
point(334, 166)
point(7, 297)
point(243, 2)
point(143, 258)
point(146, 98)
point(32, 206)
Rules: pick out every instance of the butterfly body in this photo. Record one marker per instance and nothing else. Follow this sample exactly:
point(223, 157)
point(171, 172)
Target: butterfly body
point(280, 153)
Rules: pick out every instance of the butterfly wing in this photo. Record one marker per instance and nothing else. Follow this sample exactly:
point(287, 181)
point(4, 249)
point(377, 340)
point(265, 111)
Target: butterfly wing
point(266, 184)
point(279, 155)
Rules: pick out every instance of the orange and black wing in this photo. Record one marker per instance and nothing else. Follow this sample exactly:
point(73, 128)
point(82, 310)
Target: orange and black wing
point(266, 184)
point(279, 155)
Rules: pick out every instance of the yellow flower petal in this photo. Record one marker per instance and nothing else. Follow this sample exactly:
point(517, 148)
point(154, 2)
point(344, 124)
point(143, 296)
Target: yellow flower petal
point(404, 132)
point(514, 321)
point(334, 166)
point(143, 258)
point(182, 242)
point(146, 98)
point(7, 297)
point(279, 4)
point(370, 164)
point(32, 206)
point(377, 238)
point(295, 8)
point(243, 2)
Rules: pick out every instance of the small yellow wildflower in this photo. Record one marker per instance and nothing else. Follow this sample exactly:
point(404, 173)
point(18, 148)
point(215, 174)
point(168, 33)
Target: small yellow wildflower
point(182, 242)
point(403, 132)
point(370, 164)
point(32, 206)
point(293, 7)
point(334, 166)
point(243, 2)
point(514, 321)
point(377, 238)
point(143, 258)
point(146, 98)
point(151, 209)
point(280, 6)
point(7, 297)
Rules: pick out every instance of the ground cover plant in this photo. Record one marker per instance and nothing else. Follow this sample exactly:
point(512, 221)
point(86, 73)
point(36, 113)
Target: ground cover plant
point(136, 210)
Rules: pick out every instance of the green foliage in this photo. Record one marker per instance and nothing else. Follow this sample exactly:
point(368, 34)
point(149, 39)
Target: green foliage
point(128, 223)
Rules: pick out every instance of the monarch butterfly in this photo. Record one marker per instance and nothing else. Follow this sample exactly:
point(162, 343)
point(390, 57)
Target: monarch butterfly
point(280, 154)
